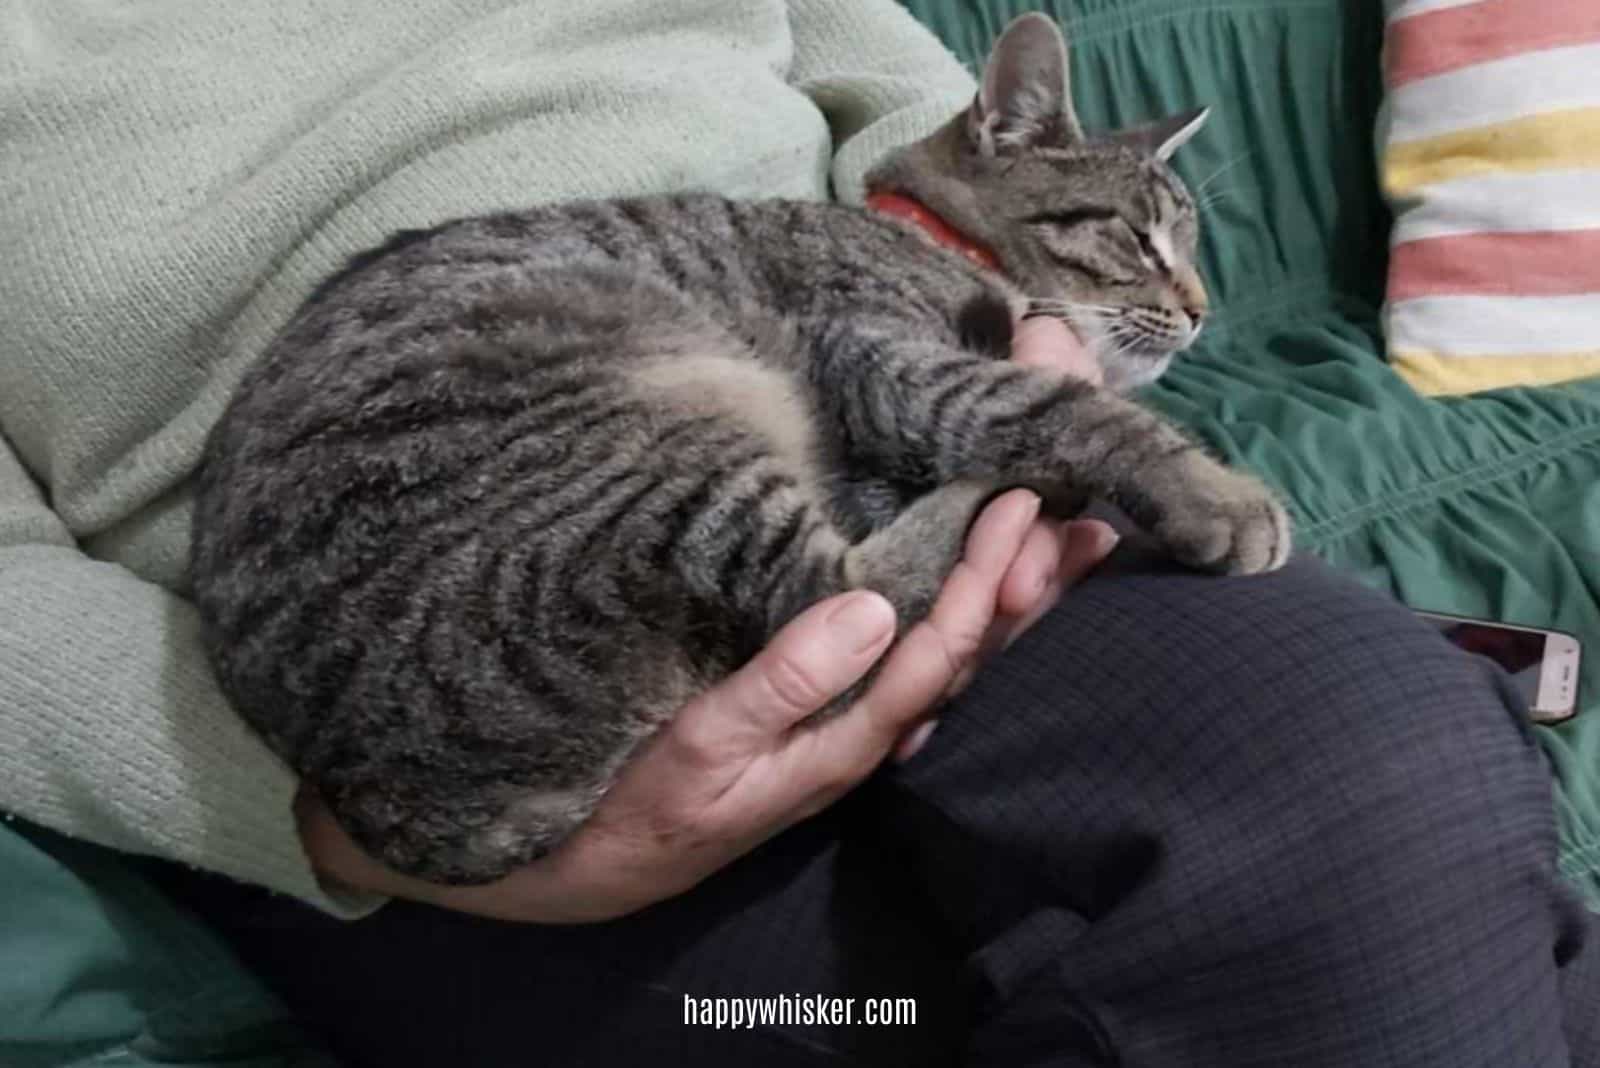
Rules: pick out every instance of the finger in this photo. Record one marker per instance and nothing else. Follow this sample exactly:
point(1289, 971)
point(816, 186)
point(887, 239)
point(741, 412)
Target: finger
point(334, 855)
point(911, 743)
point(969, 600)
point(1047, 343)
point(716, 767)
point(1031, 564)
point(830, 757)
point(1073, 548)
point(342, 867)
point(816, 657)
point(997, 535)
point(1079, 546)
point(921, 667)
point(1028, 589)
point(1088, 543)
point(329, 849)
point(1085, 543)
point(1032, 571)
point(1024, 586)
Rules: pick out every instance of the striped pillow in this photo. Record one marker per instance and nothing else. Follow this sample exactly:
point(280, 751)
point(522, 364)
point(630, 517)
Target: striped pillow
point(1490, 153)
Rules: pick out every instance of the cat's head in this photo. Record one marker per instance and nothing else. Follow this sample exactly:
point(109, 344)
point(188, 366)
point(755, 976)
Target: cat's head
point(1097, 230)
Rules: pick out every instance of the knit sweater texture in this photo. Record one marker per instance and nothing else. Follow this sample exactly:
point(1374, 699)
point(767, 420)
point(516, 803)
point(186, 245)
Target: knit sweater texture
point(176, 177)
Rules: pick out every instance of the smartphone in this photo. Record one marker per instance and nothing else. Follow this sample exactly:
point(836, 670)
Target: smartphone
point(1542, 663)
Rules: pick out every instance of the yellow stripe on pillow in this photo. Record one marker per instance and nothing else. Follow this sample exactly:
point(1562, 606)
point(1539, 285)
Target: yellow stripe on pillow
point(1557, 140)
point(1437, 374)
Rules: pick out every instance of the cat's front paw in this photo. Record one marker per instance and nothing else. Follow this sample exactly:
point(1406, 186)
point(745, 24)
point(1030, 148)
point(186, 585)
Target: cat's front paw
point(1228, 522)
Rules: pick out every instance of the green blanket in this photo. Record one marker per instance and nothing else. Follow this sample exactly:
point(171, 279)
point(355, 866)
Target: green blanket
point(98, 969)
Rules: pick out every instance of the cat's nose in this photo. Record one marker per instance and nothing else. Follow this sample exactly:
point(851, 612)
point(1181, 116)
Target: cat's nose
point(1192, 298)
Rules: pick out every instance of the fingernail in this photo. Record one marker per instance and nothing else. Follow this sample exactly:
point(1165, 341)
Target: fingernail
point(1105, 539)
point(861, 622)
point(1034, 504)
point(1091, 537)
point(914, 741)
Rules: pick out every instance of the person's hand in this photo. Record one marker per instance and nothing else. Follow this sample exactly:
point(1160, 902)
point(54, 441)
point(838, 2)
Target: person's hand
point(743, 761)
point(1047, 343)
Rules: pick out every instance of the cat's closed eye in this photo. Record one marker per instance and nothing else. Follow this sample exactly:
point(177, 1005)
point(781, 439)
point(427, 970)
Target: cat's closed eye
point(1102, 245)
point(1139, 242)
point(1100, 269)
point(1072, 218)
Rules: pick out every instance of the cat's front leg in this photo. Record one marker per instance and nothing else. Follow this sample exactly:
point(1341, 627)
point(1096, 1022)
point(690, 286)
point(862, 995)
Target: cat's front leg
point(931, 412)
point(1092, 441)
point(1205, 513)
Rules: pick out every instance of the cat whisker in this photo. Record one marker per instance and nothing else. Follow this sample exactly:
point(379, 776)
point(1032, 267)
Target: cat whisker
point(1061, 302)
point(1080, 315)
point(1123, 339)
point(1064, 300)
point(1072, 308)
point(1216, 196)
point(1124, 336)
point(1076, 318)
point(1124, 347)
point(1201, 187)
point(1085, 324)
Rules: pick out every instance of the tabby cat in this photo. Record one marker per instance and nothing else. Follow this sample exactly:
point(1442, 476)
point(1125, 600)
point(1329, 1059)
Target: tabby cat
point(506, 493)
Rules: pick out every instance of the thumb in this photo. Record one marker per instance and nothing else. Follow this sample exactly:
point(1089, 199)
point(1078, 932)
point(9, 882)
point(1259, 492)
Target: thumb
point(819, 655)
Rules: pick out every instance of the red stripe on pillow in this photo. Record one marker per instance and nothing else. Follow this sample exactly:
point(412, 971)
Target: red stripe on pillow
point(1547, 263)
point(1450, 38)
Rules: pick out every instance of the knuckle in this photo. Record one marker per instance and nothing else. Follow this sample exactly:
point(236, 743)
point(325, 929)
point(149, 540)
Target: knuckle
point(793, 687)
point(960, 644)
point(841, 777)
point(936, 650)
point(673, 826)
point(692, 747)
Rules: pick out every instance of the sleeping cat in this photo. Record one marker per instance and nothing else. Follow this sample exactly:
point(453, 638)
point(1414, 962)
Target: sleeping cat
point(506, 493)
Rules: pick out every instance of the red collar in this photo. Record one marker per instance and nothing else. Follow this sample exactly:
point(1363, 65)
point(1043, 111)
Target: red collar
point(900, 206)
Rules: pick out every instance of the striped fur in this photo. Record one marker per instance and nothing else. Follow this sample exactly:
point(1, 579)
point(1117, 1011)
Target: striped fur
point(508, 492)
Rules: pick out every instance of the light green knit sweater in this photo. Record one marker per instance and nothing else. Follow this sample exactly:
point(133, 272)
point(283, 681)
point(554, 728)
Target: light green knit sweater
point(176, 176)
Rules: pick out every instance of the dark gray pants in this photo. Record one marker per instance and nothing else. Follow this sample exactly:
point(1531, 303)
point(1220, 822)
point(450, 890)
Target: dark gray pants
point(1185, 821)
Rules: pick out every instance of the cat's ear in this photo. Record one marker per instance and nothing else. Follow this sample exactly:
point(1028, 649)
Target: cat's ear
point(1164, 136)
point(1024, 100)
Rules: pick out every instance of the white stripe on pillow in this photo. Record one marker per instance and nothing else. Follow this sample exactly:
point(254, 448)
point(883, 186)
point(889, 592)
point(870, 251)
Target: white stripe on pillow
point(1504, 203)
point(1403, 8)
point(1498, 326)
point(1555, 79)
